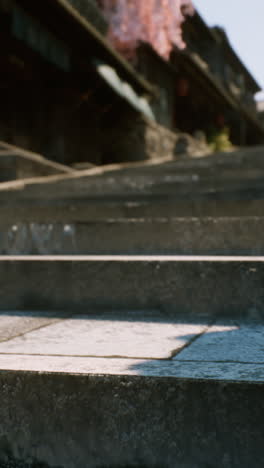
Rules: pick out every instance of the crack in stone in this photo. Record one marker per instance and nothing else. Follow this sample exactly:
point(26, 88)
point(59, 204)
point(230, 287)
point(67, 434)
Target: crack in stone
point(177, 351)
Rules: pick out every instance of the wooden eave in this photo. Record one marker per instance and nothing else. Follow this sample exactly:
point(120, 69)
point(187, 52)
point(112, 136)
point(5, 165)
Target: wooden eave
point(196, 22)
point(162, 62)
point(193, 64)
point(251, 80)
point(215, 84)
point(219, 37)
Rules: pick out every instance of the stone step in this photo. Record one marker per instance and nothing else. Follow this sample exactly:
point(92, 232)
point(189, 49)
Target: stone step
point(160, 236)
point(172, 284)
point(245, 169)
point(239, 161)
point(78, 210)
point(159, 184)
point(130, 390)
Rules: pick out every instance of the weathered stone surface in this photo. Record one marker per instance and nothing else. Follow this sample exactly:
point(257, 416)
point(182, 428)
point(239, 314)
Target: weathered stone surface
point(239, 343)
point(134, 343)
point(171, 284)
point(74, 421)
point(196, 370)
point(110, 337)
point(69, 211)
point(195, 236)
point(179, 185)
point(71, 411)
point(120, 390)
point(16, 323)
point(140, 139)
point(214, 176)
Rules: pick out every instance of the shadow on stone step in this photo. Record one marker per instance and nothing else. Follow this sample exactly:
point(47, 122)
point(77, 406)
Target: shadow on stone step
point(229, 351)
point(8, 461)
point(113, 314)
point(12, 463)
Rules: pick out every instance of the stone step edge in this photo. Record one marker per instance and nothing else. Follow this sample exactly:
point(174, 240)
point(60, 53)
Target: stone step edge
point(132, 258)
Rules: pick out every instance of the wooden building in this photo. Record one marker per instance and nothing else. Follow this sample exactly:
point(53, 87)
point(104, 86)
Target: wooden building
point(64, 91)
point(67, 94)
point(204, 87)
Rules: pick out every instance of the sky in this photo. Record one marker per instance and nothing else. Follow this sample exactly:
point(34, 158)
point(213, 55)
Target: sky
point(243, 21)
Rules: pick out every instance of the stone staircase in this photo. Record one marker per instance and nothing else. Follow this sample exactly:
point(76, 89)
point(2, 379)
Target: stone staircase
point(131, 324)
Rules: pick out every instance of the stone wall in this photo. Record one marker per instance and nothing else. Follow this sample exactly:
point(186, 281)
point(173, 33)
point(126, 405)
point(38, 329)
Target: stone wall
point(139, 138)
point(159, 141)
point(136, 138)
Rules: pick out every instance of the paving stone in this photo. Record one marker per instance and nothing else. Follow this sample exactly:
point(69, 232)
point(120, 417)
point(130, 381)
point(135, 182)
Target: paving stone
point(84, 336)
point(115, 346)
point(17, 323)
point(244, 343)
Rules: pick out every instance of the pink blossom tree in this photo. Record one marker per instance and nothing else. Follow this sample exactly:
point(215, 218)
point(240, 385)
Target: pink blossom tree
point(156, 22)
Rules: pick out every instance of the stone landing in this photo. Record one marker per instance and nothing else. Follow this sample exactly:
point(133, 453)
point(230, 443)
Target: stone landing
point(130, 389)
point(133, 343)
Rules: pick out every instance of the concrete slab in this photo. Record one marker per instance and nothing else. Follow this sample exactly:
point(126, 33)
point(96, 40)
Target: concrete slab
point(177, 285)
point(82, 336)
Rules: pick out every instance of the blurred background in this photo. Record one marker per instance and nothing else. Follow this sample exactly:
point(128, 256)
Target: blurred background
point(92, 82)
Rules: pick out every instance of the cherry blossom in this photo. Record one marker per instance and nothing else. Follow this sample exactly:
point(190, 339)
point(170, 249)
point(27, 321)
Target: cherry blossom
point(156, 22)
